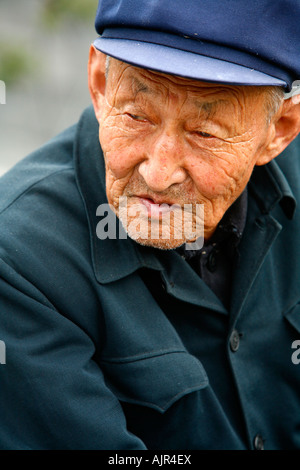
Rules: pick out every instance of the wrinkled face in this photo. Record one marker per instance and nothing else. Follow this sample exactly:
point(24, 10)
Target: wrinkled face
point(173, 145)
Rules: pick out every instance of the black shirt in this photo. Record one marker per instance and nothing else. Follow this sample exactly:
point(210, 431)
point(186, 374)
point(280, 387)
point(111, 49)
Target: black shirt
point(215, 261)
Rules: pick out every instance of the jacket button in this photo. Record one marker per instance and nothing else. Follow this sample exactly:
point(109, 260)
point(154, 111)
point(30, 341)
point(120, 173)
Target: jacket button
point(234, 340)
point(258, 442)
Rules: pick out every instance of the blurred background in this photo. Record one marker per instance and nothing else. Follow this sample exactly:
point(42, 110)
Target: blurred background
point(44, 46)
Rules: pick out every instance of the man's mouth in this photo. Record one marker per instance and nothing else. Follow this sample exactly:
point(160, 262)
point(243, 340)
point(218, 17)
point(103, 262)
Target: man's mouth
point(155, 206)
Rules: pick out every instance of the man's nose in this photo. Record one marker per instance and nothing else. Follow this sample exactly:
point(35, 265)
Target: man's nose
point(162, 166)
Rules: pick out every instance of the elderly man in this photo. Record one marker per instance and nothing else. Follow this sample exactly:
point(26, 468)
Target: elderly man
point(165, 335)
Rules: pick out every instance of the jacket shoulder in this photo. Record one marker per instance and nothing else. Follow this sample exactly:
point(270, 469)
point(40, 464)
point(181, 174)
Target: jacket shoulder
point(54, 157)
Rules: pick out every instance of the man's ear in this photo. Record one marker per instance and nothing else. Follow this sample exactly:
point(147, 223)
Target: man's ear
point(96, 78)
point(284, 127)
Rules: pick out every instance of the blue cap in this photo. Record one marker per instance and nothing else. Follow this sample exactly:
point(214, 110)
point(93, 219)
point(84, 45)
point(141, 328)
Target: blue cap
point(237, 42)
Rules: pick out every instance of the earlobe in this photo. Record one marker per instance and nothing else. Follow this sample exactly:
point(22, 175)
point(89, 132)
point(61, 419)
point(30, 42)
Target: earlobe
point(285, 127)
point(96, 78)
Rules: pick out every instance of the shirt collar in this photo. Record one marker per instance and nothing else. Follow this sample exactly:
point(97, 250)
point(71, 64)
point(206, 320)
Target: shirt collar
point(114, 259)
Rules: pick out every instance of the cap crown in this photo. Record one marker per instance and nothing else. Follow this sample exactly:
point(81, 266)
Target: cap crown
point(263, 29)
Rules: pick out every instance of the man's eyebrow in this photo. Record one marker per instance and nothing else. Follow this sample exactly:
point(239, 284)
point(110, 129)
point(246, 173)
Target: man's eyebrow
point(208, 109)
point(138, 87)
point(210, 106)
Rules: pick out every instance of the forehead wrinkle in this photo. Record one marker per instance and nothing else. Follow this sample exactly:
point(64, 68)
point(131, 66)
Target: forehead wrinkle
point(160, 82)
point(115, 80)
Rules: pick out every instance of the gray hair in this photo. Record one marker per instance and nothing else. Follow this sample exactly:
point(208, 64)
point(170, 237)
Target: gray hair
point(107, 64)
point(274, 99)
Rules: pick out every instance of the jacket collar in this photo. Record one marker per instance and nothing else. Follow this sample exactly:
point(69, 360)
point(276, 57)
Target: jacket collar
point(114, 259)
point(270, 187)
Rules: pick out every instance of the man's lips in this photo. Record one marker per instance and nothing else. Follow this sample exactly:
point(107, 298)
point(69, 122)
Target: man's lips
point(156, 207)
point(156, 200)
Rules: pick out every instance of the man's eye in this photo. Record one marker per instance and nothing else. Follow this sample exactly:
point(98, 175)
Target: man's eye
point(203, 134)
point(135, 117)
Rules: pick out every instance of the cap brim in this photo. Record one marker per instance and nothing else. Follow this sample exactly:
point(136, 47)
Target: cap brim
point(173, 61)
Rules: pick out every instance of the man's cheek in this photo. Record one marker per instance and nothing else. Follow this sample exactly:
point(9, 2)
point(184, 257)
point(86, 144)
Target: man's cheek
point(213, 181)
point(119, 163)
point(114, 188)
point(122, 155)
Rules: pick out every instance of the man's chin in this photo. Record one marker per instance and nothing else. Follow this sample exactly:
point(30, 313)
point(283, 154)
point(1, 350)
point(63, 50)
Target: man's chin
point(158, 232)
point(159, 243)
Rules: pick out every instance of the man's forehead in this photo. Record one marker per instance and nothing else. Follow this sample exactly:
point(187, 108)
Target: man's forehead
point(154, 83)
point(207, 101)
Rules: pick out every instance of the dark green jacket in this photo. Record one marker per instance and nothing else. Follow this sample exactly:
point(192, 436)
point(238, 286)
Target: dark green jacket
point(111, 345)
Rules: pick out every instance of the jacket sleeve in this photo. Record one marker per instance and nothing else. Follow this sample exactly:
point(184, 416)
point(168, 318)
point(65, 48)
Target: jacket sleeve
point(52, 393)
